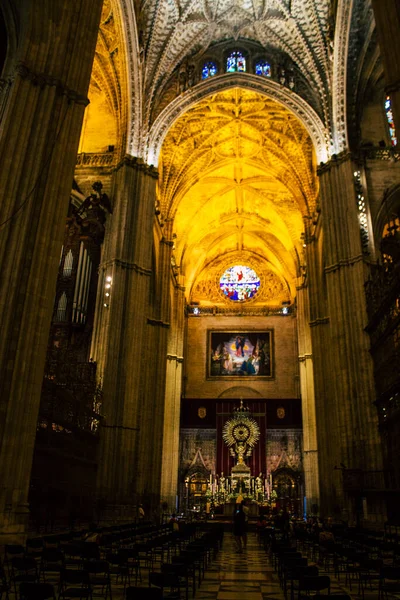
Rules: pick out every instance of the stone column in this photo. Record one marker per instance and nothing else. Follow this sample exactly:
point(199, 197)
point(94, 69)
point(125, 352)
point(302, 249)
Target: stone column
point(42, 114)
point(310, 446)
point(387, 18)
point(329, 483)
point(349, 413)
point(169, 479)
point(123, 343)
point(157, 333)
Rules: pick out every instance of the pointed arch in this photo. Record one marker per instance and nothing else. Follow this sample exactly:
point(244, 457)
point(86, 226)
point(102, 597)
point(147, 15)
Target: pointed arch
point(246, 81)
point(339, 89)
point(134, 53)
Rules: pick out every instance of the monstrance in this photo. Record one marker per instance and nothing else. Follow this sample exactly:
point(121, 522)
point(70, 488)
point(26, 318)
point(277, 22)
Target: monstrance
point(241, 433)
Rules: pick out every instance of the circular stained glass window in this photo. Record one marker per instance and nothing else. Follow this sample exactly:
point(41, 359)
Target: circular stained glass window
point(239, 283)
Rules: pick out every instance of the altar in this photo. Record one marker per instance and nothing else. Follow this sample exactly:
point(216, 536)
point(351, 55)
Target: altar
point(241, 434)
point(240, 477)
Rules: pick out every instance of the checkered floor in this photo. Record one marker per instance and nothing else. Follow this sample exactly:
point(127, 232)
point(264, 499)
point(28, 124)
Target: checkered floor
point(250, 576)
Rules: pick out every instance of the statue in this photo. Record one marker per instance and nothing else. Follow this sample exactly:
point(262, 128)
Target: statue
point(222, 483)
point(96, 200)
point(259, 483)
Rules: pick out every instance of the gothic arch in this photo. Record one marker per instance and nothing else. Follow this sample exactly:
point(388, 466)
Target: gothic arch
point(390, 206)
point(246, 81)
point(339, 88)
point(134, 56)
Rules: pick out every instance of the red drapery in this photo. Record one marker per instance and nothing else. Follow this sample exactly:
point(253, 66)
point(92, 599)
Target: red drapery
point(257, 460)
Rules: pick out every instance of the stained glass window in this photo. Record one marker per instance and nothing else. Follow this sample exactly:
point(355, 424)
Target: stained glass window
point(236, 62)
point(389, 116)
point(209, 70)
point(239, 283)
point(263, 68)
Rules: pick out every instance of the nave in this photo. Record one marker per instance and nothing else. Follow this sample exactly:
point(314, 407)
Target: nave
point(254, 574)
point(139, 561)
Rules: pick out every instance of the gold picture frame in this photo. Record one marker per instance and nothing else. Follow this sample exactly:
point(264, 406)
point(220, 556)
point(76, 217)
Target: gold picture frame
point(246, 354)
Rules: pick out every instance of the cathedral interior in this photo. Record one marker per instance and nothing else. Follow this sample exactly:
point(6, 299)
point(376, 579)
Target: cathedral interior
point(199, 258)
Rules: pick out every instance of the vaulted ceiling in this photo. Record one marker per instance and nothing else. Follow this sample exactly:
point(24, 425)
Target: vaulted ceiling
point(174, 30)
point(238, 156)
point(237, 176)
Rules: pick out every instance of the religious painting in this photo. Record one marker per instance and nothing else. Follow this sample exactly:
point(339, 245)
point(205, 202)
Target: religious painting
point(240, 354)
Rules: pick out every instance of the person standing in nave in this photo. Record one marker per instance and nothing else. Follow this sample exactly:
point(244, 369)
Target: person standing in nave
point(239, 525)
point(141, 512)
point(246, 523)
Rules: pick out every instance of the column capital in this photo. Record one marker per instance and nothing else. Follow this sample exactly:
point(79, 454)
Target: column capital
point(44, 79)
point(137, 163)
point(158, 323)
point(319, 321)
point(178, 359)
point(335, 161)
point(344, 262)
point(124, 264)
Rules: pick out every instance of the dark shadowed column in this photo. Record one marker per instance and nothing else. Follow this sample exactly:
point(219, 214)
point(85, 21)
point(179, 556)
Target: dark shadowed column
point(387, 18)
point(43, 94)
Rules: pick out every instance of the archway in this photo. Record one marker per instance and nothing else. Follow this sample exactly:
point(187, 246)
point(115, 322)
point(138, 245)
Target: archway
point(237, 178)
point(245, 81)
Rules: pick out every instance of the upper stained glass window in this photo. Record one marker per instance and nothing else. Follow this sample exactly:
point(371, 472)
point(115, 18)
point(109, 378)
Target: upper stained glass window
point(239, 283)
point(236, 62)
point(209, 70)
point(263, 68)
point(389, 116)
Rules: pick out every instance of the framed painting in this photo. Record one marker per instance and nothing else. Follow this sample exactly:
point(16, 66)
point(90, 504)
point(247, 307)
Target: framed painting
point(240, 354)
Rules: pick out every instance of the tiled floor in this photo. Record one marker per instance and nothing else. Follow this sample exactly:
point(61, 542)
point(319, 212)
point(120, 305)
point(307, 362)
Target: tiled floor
point(245, 576)
point(249, 575)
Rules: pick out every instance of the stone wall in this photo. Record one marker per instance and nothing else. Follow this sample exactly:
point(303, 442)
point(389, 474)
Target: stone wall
point(285, 380)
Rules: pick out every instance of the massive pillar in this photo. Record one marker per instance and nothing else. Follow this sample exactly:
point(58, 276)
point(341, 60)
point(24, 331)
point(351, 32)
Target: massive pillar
point(151, 462)
point(310, 446)
point(129, 344)
point(348, 437)
point(387, 18)
point(169, 480)
point(44, 94)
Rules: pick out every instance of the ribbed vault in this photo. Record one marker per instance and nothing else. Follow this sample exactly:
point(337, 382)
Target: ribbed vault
point(237, 176)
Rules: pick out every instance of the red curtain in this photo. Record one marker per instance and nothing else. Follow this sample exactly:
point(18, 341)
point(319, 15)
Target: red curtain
point(257, 460)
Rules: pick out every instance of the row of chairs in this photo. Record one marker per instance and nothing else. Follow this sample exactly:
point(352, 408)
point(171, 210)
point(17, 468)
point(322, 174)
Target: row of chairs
point(181, 556)
point(364, 559)
point(376, 544)
point(349, 562)
point(184, 572)
point(46, 591)
point(298, 578)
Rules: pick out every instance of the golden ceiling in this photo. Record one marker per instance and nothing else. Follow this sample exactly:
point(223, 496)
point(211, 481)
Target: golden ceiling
point(237, 176)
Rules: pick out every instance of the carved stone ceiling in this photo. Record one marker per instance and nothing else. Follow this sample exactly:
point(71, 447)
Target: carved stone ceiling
point(105, 116)
point(237, 175)
point(174, 30)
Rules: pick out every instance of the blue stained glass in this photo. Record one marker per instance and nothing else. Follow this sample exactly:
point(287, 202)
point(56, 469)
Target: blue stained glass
point(239, 283)
point(209, 70)
point(390, 119)
point(236, 62)
point(263, 68)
